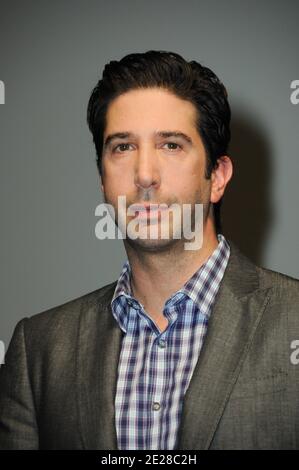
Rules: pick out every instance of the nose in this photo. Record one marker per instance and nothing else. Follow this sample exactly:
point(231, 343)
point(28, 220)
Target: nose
point(146, 169)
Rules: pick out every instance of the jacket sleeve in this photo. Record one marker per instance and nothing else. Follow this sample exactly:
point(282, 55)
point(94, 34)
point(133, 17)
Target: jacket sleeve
point(18, 425)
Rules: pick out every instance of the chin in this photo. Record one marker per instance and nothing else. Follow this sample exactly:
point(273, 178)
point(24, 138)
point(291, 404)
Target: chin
point(152, 245)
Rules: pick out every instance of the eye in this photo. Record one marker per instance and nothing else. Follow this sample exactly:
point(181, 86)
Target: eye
point(120, 146)
point(176, 146)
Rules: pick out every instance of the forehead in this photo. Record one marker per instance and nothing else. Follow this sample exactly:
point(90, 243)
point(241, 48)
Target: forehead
point(150, 108)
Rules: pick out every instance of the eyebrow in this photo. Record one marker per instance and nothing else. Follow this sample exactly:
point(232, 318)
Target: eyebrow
point(125, 135)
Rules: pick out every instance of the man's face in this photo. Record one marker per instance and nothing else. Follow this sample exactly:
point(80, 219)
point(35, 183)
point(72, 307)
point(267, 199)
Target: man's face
point(148, 166)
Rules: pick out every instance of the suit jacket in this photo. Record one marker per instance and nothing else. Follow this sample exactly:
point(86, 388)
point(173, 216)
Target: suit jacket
point(58, 384)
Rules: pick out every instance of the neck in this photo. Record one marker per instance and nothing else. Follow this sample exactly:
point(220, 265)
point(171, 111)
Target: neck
point(157, 275)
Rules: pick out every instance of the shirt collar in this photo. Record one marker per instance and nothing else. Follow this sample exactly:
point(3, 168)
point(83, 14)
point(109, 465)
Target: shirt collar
point(206, 279)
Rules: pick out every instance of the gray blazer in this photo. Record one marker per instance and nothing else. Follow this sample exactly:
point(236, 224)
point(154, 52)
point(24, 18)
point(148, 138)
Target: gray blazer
point(58, 384)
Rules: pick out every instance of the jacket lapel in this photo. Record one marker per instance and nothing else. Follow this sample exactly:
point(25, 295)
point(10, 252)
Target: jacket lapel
point(99, 345)
point(236, 314)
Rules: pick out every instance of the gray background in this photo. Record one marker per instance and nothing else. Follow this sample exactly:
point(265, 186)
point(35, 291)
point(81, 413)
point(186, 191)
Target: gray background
point(52, 54)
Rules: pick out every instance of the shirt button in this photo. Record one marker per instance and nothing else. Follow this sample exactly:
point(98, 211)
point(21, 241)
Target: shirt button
point(156, 406)
point(162, 343)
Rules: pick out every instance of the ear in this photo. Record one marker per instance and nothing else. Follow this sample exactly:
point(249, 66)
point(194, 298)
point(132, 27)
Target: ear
point(220, 177)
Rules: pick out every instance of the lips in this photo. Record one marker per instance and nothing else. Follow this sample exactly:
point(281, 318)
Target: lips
point(144, 207)
point(147, 210)
point(154, 206)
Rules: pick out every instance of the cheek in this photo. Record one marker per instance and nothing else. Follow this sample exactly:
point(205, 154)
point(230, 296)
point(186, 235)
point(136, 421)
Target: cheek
point(114, 188)
point(112, 191)
point(194, 189)
point(116, 176)
point(189, 181)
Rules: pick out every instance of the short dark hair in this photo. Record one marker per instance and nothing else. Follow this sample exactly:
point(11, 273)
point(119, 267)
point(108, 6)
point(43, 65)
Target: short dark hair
point(187, 80)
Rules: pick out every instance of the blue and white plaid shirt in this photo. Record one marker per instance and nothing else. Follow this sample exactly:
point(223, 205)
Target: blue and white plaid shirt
point(155, 367)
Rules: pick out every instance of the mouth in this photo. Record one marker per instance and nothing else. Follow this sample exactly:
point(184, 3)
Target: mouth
point(148, 211)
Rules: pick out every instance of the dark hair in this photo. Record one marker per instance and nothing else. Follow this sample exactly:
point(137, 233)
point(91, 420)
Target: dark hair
point(188, 80)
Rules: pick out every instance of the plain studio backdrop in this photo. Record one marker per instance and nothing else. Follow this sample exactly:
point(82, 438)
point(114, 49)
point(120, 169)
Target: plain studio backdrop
point(51, 56)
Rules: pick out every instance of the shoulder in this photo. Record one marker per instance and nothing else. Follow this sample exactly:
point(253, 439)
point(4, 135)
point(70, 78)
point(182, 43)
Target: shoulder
point(281, 290)
point(283, 298)
point(249, 276)
point(276, 292)
point(246, 280)
point(65, 317)
point(282, 284)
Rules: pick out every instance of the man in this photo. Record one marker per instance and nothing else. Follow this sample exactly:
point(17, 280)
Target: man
point(189, 348)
